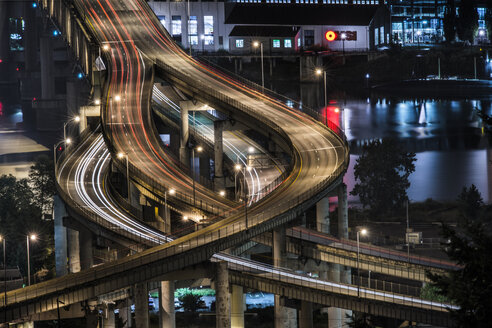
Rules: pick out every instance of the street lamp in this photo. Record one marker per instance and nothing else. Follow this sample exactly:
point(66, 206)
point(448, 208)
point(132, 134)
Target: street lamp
point(343, 36)
point(33, 238)
point(121, 155)
point(75, 119)
point(4, 276)
point(257, 44)
point(199, 150)
point(320, 71)
point(171, 191)
point(362, 232)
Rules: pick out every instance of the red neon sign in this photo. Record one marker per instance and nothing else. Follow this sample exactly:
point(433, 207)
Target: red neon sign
point(330, 36)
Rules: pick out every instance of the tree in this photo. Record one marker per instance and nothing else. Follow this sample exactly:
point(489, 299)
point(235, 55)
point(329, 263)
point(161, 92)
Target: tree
point(467, 21)
point(42, 180)
point(470, 246)
point(359, 320)
point(382, 173)
point(190, 301)
point(449, 21)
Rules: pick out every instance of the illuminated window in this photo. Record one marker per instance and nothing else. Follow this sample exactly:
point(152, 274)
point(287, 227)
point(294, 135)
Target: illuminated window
point(376, 36)
point(276, 43)
point(299, 42)
point(16, 29)
point(381, 34)
point(287, 43)
point(239, 43)
point(176, 25)
point(208, 30)
point(193, 30)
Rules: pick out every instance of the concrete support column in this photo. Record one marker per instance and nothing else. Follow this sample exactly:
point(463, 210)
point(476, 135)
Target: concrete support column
point(237, 307)
point(323, 215)
point(306, 315)
point(91, 314)
point(141, 295)
point(108, 318)
point(334, 314)
point(73, 250)
point(167, 316)
point(219, 154)
point(85, 240)
point(342, 211)
point(222, 301)
point(59, 212)
point(125, 313)
point(184, 156)
point(47, 69)
point(284, 317)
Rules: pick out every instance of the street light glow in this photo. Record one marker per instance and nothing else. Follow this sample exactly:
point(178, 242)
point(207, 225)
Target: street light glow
point(251, 149)
point(363, 232)
point(172, 191)
point(344, 36)
point(97, 102)
point(237, 167)
point(76, 118)
point(199, 148)
point(256, 44)
point(248, 168)
point(32, 237)
point(185, 218)
point(106, 47)
point(117, 98)
point(319, 71)
point(222, 193)
point(68, 141)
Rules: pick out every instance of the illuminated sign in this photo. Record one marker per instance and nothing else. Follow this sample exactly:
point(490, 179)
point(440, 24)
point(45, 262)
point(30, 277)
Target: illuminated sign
point(341, 35)
point(331, 36)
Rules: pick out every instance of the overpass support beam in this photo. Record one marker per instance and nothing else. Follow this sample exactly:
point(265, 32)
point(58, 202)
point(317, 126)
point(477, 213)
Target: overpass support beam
point(184, 156)
point(342, 211)
point(141, 294)
point(306, 315)
point(323, 215)
point(73, 250)
point(219, 154)
point(47, 68)
point(237, 307)
point(222, 301)
point(86, 258)
point(284, 316)
point(167, 316)
point(125, 313)
point(59, 212)
point(108, 318)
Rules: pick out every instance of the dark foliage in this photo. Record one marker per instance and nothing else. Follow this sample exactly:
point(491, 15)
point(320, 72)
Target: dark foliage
point(449, 21)
point(382, 173)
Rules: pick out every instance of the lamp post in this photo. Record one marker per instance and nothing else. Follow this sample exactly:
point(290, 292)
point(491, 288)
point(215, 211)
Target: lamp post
point(320, 71)
point(76, 119)
point(257, 44)
point(121, 155)
point(199, 150)
point(2, 238)
point(359, 232)
point(33, 238)
point(172, 191)
point(237, 168)
point(343, 36)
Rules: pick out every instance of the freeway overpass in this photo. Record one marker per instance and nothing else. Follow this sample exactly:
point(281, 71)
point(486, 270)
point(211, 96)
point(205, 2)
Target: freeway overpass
point(138, 47)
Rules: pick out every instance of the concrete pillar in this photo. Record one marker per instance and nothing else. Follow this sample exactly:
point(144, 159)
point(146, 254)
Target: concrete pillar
point(284, 317)
point(108, 319)
point(141, 295)
point(342, 211)
point(47, 69)
point(334, 314)
point(167, 316)
point(222, 301)
point(91, 314)
point(125, 313)
point(85, 240)
point(73, 250)
point(237, 307)
point(219, 154)
point(59, 212)
point(323, 215)
point(184, 156)
point(306, 315)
